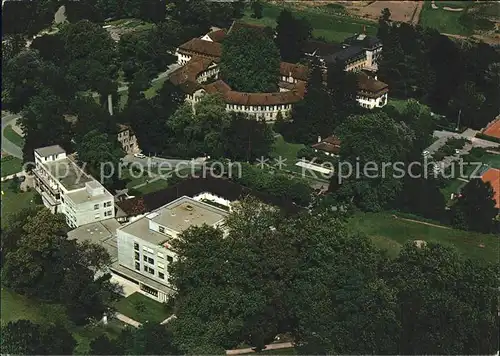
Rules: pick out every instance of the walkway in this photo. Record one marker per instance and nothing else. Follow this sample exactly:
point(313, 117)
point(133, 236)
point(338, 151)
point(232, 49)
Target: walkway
point(422, 222)
point(8, 146)
point(283, 345)
point(127, 320)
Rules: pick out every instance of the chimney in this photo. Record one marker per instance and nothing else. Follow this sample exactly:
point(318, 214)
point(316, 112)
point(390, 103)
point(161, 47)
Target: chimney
point(319, 139)
point(110, 104)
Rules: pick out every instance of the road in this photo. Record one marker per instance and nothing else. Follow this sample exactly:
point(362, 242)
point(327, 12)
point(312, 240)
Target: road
point(8, 146)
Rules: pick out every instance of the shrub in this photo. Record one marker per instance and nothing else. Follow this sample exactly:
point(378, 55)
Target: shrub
point(488, 138)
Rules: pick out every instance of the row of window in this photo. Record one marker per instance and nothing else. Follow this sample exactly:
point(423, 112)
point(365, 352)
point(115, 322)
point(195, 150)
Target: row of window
point(149, 270)
point(258, 108)
point(170, 259)
point(106, 205)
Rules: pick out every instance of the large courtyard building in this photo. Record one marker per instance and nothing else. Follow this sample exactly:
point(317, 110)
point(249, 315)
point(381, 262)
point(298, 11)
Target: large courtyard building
point(199, 74)
point(65, 188)
point(145, 244)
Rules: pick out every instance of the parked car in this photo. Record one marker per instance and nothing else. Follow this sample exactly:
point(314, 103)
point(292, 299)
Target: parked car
point(139, 155)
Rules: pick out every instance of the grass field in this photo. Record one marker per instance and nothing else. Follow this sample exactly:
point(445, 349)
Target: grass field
point(442, 20)
point(330, 25)
point(13, 136)
point(390, 234)
point(10, 165)
point(287, 151)
point(13, 202)
point(15, 307)
point(153, 311)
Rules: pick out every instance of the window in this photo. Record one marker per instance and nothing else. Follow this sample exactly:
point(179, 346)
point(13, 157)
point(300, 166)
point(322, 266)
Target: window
point(97, 216)
point(96, 206)
point(170, 259)
point(108, 213)
point(145, 268)
point(137, 256)
point(150, 270)
point(137, 266)
point(161, 265)
point(107, 204)
point(151, 261)
point(136, 246)
point(161, 275)
point(160, 255)
point(145, 258)
point(162, 229)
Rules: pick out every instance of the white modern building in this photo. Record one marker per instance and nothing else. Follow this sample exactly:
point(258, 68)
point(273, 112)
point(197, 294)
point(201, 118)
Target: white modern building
point(65, 188)
point(145, 244)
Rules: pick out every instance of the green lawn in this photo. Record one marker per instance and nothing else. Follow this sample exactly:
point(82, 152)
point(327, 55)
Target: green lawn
point(390, 233)
point(398, 104)
point(16, 306)
point(287, 151)
point(154, 88)
point(442, 20)
point(13, 202)
point(10, 165)
point(13, 136)
point(153, 311)
point(332, 26)
point(287, 351)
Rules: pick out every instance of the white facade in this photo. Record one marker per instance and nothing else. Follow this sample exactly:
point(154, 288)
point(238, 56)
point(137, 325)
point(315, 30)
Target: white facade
point(182, 58)
point(66, 189)
point(144, 244)
point(372, 103)
point(128, 141)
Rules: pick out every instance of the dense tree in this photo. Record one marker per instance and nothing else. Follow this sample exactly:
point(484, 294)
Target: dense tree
point(22, 337)
point(102, 345)
point(14, 228)
point(42, 252)
point(246, 139)
point(100, 154)
point(257, 9)
point(27, 17)
point(250, 61)
point(372, 144)
point(343, 88)
point(465, 105)
point(43, 123)
point(475, 208)
point(90, 62)
point(447, 305)
point(291, 33)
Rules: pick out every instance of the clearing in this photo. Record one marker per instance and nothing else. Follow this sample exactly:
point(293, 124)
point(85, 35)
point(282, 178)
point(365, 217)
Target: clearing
point(143, 309)
point(331, 25)
point(14, 202)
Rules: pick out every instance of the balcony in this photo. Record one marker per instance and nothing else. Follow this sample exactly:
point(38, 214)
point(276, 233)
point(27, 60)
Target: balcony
point(43, 179)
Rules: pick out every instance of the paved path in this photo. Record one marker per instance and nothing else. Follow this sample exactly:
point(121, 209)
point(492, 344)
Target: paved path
point(8, 146)
point(283, 345)
point(19, 174)
point(422, 222)
point(127, 320)
point(171, 317)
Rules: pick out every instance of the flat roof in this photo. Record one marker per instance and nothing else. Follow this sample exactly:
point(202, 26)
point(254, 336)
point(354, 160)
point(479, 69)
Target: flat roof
point(140, 228)
point(184, 212)
point(50, 150)
point(102, 233)
point(82, 196)
point(178, 216)
point(68, 173)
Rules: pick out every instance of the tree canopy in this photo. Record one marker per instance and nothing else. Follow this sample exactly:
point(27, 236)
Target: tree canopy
point(250, 61)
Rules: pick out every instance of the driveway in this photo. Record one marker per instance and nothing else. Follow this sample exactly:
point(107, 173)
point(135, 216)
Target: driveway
point(8, 146)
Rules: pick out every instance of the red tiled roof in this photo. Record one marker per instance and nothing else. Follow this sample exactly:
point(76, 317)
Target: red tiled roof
point(493, 129)
point(297, 71)
point(217, 36)
point(199, 46)
point(253, 99)
point(370, 84)
point(218, 86)
point(330, 144)
point(492, 176)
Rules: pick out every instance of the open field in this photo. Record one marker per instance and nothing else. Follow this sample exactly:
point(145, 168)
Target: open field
point(442, 20)
point(10, 165)
point(152, 310)
point(13, 202)
point(327, 24)
point(13, 136)
point(390, 233)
